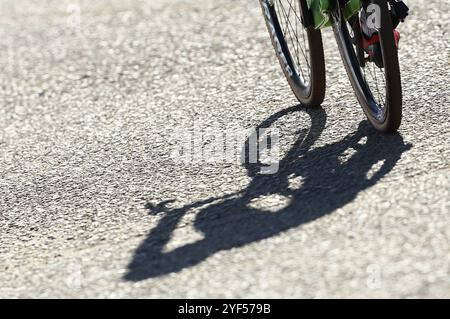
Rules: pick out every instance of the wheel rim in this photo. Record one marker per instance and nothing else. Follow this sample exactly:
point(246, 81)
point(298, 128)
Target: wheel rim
point(288, 13)
point(371, 80)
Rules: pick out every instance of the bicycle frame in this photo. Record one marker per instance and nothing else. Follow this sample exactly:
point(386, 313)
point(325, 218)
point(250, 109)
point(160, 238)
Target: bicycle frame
point(318, 15)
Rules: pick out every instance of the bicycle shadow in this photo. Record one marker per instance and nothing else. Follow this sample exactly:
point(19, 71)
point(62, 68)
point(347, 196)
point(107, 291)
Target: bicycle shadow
point(329, 180)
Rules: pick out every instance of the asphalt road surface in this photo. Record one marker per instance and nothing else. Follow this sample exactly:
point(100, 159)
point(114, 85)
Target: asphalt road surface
point(97, 96)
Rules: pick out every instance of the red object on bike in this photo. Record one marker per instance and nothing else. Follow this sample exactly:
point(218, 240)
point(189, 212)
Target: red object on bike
point(396, 37)
point(376, 39)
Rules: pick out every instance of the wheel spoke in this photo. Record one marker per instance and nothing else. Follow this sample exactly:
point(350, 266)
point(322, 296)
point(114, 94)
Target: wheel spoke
point(290, 30)
point(371, 80)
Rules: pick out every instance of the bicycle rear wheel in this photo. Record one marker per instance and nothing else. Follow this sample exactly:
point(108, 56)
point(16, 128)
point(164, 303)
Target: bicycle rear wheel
point(377, 85)
point(299, 49)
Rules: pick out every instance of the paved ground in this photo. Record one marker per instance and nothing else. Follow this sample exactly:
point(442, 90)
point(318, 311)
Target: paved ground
point(89, 106)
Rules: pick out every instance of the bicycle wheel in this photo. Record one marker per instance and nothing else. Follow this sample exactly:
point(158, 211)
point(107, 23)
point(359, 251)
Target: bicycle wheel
point(377, 84)
point(299, 49)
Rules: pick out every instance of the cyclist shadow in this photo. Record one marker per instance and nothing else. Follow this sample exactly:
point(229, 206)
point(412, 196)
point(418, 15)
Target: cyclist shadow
point(330, 177)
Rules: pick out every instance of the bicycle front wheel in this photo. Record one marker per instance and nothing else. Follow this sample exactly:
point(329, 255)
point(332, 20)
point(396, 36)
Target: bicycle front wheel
point(299, 49)
point(377, 84)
